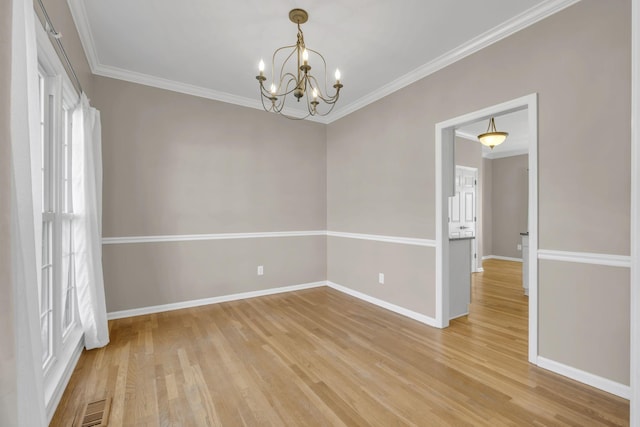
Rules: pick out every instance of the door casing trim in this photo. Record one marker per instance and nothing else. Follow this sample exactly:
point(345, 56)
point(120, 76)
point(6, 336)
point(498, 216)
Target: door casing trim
point(445, 134)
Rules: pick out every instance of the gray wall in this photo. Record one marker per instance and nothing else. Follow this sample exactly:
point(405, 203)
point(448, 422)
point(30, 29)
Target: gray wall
point(509, 204)
point(584, 317)
point(180, 165)
point(148, 274)
point(381, 177)
point(487, 210)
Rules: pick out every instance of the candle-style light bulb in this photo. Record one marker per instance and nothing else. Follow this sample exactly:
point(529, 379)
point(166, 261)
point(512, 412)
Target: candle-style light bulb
point(305, 57)
point(315, 93)
point(337, 76)
point(273, 89)
point(261, 68)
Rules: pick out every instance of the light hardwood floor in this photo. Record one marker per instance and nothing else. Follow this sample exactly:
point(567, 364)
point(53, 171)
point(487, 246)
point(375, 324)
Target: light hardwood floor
point(319, 357)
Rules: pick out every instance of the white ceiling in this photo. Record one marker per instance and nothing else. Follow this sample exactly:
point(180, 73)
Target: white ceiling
point(211, 48)
point(516, 124)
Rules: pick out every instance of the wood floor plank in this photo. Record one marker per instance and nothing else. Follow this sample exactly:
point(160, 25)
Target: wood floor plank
point(320, 357)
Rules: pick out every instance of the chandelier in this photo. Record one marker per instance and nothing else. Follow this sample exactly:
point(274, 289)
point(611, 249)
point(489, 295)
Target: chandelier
point(294, 77)
point(492, 137)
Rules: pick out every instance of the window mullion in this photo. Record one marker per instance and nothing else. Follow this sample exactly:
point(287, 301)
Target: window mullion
point(57, 192)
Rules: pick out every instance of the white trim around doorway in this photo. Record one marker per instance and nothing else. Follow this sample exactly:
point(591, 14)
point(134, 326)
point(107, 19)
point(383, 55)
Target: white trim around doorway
point(445, 132)
point(634, 417)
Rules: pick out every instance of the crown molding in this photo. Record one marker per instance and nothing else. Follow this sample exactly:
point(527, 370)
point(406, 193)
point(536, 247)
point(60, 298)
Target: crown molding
point(80, 18)
point(505, 153)
point(466, 135)
point(189, 89)
point(494, 154)
point(515, 24)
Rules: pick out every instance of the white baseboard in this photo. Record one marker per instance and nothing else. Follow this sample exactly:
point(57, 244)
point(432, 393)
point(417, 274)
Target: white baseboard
point(459, 315)
point(601, 383)
point(384, 304)
point(206, 301)
point(479, 270)
point(596, 381)
point(504, 258)
point(244, 295)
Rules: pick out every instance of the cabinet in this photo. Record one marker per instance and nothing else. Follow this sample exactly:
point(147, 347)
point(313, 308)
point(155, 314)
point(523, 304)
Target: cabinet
point(459, 276)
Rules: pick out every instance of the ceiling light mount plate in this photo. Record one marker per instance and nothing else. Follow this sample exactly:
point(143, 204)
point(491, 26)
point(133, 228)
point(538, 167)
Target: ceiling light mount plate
point(298, 16)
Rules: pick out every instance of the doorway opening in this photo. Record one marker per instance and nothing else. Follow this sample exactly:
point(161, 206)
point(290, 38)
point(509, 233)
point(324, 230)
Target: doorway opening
point(445, 188)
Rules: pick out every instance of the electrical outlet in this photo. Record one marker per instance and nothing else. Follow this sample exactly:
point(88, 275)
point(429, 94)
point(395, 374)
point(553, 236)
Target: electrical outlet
point(519, 247)
point(260, 270)
point(381, 278)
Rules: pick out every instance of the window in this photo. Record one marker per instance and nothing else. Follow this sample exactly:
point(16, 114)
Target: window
point(60, 330)
point(46, 148)
point(68, 305)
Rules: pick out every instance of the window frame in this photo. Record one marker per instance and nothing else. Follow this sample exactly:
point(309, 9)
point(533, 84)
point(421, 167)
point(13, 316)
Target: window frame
point(66, 342)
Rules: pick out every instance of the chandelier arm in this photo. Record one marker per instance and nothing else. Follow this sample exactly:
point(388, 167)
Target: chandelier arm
point(326, 98)
point(283, 98)
point(270, 109)
point(273, 58)
point(277, 102)
point(326, 113)
point(263, 91)
point(267, 93)
point(290, 116)
point(282, 74)
point(282, 101)
point(324, 63)
point(272, 102)
point(292, 79)
point(308, 88)
point(311, 79)
point(284, 63)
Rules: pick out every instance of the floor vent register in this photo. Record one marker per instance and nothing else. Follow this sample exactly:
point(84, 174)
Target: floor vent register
point(94, 414)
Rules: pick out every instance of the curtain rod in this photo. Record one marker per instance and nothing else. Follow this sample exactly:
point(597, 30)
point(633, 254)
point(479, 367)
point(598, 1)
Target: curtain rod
point(50, 29)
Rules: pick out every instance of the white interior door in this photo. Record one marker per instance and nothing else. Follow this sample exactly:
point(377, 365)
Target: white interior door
point(462, 206)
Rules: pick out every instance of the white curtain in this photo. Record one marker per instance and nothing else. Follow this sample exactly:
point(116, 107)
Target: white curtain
point(25, 226)
point(87, 224)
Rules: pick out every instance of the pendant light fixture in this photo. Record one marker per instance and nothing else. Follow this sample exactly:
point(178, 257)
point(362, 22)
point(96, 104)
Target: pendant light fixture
point(294, 77)
point(492, 137)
